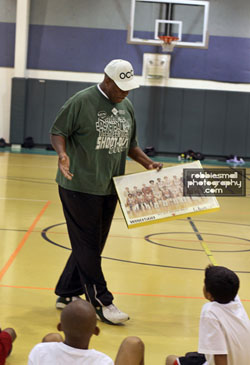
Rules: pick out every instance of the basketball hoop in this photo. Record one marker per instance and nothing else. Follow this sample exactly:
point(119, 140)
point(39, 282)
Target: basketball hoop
point(167, 42)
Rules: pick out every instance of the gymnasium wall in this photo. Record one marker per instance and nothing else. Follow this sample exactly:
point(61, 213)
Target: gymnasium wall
point(7, 45)
point(170, 119)
point(83, 36)
point(74, 39)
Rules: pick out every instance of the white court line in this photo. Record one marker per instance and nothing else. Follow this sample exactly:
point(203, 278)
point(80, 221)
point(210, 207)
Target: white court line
point(31, 200)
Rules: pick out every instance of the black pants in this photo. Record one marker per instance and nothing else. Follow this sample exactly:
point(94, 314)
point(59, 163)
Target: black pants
point(192, 358)
point(88, 218)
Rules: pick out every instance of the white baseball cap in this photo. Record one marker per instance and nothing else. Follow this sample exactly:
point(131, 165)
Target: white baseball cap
point(122, 73)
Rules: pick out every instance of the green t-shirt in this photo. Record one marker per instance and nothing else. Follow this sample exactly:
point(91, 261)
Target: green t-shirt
point(98, 137)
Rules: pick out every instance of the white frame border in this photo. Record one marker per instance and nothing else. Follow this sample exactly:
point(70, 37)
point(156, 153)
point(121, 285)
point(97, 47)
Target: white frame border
point(158, 21)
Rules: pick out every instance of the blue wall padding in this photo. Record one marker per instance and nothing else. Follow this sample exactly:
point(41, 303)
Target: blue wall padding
point(227, 59)
point(81, 49)
point(88, 50)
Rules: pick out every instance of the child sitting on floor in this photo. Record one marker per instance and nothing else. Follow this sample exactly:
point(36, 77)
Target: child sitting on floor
point(78, 322)
point(7, 337)
point(224, 334)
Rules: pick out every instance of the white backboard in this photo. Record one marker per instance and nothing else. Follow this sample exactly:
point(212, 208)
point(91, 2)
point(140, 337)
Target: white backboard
point(188, 20)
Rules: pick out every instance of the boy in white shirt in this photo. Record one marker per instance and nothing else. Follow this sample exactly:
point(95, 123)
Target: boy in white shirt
point(224, 334)
point(78, 322)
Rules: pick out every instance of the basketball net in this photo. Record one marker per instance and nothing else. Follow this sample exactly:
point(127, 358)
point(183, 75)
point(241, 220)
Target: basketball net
point(167, 43)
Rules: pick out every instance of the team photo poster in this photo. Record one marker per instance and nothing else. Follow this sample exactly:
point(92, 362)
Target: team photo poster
point(156, 196)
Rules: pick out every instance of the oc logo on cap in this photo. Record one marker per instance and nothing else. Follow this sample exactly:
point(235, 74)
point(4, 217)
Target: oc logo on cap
point(127, 75)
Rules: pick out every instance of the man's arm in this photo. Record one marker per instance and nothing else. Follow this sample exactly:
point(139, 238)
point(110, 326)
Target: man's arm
point(59, 144)
point(139, 156)
point(220, 359)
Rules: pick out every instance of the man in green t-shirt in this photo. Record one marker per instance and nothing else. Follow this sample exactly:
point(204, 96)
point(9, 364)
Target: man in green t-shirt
point(93, 133)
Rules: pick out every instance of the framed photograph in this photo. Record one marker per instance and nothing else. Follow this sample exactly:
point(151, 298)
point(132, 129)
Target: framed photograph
point(156, 196)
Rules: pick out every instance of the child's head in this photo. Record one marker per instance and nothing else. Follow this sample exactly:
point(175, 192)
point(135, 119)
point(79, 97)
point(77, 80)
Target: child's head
point(78, 321)
point(221, 283)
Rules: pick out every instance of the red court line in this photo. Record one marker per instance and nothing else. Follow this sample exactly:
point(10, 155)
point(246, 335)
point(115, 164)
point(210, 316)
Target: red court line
point(168, 296)
point(117, 293)
point(21, 244)
point(158, 295)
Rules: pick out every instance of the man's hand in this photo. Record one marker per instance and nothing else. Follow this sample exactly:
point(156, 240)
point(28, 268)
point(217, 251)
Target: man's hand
point(155, 165)
point(59, 144)
point(63, 164)
point(139, 156)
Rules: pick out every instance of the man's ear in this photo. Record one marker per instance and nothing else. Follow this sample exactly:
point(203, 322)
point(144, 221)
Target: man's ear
point(96, 331)
point(59, 326)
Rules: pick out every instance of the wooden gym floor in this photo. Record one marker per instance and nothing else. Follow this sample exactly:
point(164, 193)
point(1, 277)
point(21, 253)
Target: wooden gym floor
point(158, 280)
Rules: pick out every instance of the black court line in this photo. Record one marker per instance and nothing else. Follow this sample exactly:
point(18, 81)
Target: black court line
point(14, 230)
point(28, 181)
point(166, 266)
point(149, 239)
point(45, 237)
point(26, 177)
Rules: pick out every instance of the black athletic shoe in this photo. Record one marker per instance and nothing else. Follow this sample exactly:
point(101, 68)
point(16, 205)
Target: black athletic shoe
point(61, 302)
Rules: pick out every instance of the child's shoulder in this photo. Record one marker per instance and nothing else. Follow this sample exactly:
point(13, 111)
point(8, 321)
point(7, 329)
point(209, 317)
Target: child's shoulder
point(210, 307)
point(217, 308)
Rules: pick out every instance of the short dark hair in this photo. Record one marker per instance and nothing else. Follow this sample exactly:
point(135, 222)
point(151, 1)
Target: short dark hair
point(222, 283)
